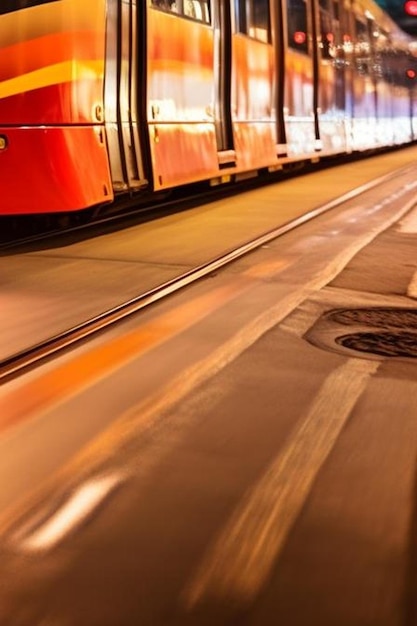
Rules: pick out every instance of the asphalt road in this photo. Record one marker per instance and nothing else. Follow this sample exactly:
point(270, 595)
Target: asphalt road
point(221, 460)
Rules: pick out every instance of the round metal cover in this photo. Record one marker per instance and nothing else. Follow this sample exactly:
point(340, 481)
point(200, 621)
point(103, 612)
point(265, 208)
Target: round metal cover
point(377, 332)
point(400, 343)
point(378, 316)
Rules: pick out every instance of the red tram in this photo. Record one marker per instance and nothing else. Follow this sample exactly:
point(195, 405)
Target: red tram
point(102, 98)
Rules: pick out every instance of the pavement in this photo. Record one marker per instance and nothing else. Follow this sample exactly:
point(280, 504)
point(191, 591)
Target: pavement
point(222, 459)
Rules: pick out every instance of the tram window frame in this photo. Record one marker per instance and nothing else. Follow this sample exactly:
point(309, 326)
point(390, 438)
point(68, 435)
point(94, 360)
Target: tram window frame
point(297, 22)
point(185, 8)
point(247, 22)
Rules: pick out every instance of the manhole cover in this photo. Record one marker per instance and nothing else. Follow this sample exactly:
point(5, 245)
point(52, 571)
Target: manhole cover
point(376, 332)
point(378, 316)
point(400, 343)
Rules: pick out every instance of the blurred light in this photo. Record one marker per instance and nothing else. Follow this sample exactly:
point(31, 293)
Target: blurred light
point(410, 7)
point(411, 74)
point(79, 506)
point(299, 37)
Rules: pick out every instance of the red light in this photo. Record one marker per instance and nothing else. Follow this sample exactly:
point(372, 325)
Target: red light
point(411, 73)
point(410, 7)
point(300, 36)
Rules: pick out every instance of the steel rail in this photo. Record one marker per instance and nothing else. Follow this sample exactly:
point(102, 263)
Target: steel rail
point(18, 363)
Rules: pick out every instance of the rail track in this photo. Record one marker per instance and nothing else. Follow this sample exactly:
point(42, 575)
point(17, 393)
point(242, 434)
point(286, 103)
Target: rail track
point(24, 360)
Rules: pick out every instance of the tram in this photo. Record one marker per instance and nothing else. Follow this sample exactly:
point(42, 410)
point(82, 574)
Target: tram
point(111, 99)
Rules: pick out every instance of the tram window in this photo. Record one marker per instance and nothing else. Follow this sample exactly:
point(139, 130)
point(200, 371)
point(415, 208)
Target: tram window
point(362, 47)
point(327, 35)
point(330, 37)
point(297, 25)
point(195, 9)
point(253, 19)
point(165, 5)
point(362, 35)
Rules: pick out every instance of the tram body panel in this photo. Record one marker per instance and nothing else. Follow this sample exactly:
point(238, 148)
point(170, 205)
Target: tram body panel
point(253, 120)
point(68, 180)
point(385, 125)
point(402, 124)
point(52, 63)
point(332, 115)
point(180, 99)
point(51, 97)
point(298, 109)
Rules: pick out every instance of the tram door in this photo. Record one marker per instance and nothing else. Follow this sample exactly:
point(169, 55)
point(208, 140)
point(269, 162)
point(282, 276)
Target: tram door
point(332, 41)
point(121, 96)
point(221, 15)
point(246, 64)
